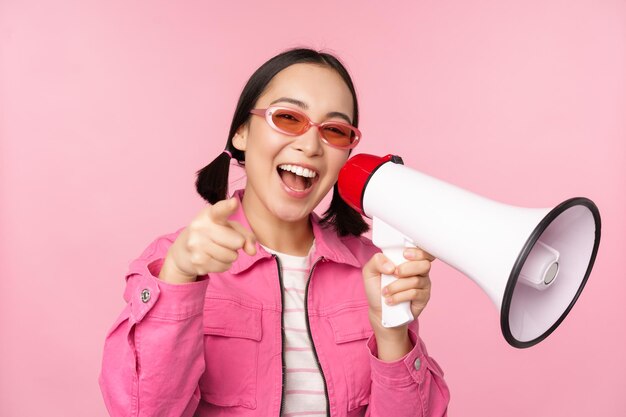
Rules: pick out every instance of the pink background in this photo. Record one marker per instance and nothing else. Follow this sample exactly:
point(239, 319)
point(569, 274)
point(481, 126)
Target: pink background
point(108, 108)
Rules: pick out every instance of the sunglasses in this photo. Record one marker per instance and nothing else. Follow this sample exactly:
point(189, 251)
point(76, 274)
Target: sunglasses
point(294, 123)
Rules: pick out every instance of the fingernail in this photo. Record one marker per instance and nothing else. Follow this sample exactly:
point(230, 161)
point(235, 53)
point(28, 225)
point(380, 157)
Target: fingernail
point(385, 291)
point(409, 254)
point(389, 300)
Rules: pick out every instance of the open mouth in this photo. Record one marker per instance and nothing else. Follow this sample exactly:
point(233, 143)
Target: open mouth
point(296, 177)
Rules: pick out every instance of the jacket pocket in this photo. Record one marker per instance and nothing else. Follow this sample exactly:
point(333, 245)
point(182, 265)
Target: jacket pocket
point(351, 329)
point(232, 333)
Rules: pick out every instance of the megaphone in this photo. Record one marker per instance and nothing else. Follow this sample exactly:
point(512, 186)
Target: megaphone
point(533, 263)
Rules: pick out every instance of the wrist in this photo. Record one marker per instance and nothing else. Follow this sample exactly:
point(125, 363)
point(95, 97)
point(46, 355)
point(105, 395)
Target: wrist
point(392, 343)
point(398, 334)
point(394, 346)
point(172, 274)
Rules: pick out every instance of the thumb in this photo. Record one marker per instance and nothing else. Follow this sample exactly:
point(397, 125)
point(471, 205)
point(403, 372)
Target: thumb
point(377, 265)
point(222, 210)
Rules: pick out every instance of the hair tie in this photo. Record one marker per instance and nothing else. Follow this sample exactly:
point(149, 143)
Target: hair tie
point(227, 152)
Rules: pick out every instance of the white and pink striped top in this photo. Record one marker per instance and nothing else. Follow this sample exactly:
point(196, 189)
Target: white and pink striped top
point(304, 388)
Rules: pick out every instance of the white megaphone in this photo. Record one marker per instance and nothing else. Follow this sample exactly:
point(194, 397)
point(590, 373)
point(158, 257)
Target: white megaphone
point(533, 263)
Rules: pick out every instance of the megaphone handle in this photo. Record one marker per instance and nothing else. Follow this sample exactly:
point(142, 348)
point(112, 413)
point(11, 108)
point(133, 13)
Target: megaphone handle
point(399, 314)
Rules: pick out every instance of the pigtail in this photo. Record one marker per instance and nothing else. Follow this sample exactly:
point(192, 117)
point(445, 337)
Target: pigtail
point(343, 218)
point(212, 180)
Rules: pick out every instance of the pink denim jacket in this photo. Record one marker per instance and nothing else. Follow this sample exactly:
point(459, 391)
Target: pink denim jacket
point(214, 347)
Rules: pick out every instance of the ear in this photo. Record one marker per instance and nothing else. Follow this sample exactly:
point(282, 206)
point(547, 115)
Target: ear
point(240, 139)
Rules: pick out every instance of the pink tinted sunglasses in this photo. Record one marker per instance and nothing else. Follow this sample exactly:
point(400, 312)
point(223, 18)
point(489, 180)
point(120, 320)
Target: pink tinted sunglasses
point(294, 123)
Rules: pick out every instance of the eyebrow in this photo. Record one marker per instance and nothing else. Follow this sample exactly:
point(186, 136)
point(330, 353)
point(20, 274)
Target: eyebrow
point(305, 106)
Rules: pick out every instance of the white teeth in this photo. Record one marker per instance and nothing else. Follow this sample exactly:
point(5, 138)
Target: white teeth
point(298, 170)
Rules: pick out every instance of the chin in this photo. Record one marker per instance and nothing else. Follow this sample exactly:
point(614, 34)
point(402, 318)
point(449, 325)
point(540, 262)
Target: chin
point(293, 212)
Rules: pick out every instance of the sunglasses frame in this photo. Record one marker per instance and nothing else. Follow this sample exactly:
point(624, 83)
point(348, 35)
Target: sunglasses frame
point(268, 112)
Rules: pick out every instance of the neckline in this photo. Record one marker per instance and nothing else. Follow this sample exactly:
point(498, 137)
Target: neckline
point(283, 255)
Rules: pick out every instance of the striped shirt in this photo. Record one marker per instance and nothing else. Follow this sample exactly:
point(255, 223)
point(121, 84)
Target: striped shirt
point(304, 386)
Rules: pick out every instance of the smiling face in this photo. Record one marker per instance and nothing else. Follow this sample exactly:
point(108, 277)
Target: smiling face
point(289, 175)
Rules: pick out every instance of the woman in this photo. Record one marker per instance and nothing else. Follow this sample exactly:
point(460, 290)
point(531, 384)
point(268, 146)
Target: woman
point(260, 308)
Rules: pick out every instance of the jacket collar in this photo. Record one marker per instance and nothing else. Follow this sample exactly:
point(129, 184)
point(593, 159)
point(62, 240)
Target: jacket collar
point(327, 243)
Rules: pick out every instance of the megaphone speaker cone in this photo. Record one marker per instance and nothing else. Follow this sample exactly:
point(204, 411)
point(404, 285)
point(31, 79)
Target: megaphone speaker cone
point(529, 314)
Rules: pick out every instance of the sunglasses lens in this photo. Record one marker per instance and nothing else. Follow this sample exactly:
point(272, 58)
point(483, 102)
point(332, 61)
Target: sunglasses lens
point(289, 121)
point(339, 134)
point(293, 122)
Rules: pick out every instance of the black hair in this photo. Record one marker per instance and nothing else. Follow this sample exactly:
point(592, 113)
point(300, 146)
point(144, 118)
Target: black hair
point(212, 180)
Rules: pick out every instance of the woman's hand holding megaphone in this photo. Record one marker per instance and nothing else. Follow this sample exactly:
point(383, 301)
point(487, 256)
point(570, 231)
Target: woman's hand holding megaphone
point(413, 285)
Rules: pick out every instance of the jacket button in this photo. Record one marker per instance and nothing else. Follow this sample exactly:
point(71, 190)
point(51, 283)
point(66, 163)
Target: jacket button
point(417, 364)
point(145, 295)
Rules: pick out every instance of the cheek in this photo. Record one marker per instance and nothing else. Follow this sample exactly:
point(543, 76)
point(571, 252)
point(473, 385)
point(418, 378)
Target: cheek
point(262, 147)
point(337, 160)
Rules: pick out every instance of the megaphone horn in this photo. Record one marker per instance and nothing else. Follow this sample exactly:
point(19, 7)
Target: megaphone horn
point(533, 263)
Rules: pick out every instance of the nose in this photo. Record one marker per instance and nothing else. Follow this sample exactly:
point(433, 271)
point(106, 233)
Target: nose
point(310, 142)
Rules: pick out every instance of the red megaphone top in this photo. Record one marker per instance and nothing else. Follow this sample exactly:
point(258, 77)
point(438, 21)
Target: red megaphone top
point(355, 175)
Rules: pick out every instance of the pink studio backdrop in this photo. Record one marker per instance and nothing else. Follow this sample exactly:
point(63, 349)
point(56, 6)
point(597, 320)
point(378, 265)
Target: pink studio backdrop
point(108, 108)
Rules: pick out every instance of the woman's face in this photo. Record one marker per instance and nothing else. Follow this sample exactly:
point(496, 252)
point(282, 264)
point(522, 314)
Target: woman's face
point(272, 189)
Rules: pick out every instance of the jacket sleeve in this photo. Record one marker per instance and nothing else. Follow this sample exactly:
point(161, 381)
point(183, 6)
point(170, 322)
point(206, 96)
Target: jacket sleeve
point(153, 355)
point(410, 386)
